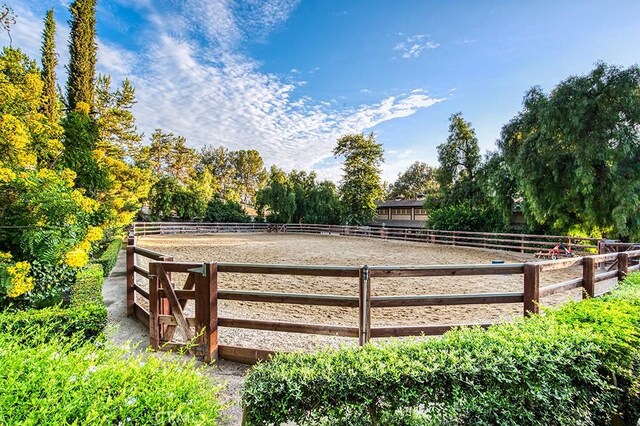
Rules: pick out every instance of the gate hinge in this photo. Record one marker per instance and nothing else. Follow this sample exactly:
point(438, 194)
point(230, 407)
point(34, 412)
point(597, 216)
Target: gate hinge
point(202, 270)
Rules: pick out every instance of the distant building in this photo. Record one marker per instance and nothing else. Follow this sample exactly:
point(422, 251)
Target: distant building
point(401, 213)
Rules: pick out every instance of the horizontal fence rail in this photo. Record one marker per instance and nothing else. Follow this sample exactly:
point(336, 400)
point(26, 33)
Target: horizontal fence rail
point(524, 243)
point(166, 303)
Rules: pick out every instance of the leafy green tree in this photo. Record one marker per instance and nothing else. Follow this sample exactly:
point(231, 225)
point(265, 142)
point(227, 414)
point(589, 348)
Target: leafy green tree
point(218, 161)
point(462, 217)
point(237, 175)
point(323, 204)
point(169, 155)
point(574, 153)
point(361, 186)
point(301, 184)
point(277, 199)
point(162, 197)
point(418, 179)
point(119, 142)
point(219, 210)
point(249, 174)
point(460, 161)
point(499, 186)
point(298, 197)
point(50, 105)
point(83, 54)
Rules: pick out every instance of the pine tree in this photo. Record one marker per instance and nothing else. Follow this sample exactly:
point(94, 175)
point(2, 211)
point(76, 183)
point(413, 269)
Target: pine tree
point(49, 61)
point(83, 51)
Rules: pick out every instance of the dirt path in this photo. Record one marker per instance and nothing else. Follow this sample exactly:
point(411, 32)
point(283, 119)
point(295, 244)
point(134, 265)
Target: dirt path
point(123, 329)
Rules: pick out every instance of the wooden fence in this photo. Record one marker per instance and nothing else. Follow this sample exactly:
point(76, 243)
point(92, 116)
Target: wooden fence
point(524, 243)
point(166, 302)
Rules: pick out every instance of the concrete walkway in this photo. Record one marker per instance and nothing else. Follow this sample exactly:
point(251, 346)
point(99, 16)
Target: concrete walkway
point(123, 329)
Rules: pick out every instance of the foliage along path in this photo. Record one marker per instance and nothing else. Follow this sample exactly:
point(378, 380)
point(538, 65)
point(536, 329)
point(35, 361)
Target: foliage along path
point(124, 329)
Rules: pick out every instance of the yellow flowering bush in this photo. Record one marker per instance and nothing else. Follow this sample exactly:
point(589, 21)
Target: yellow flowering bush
point(20, 280)
point(94, 234)
point(6, 174)
point(69, 176)
point(14, 277)
point(76, 258)
point(85, 203)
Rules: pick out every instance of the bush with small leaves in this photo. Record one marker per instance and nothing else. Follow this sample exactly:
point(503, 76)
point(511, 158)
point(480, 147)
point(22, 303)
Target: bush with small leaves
point(577, 365)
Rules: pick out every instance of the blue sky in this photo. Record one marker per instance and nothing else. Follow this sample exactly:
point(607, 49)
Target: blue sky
point(289, 77)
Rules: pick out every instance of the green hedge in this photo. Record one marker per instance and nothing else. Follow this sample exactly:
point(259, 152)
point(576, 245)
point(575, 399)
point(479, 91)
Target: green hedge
point(577, 365)
point(88, 286)
point(71, 382)
point(109, 257)
point(86, 316)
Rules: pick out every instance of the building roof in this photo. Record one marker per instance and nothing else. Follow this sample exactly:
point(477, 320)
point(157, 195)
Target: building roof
point(400, 223)
point(401, 203)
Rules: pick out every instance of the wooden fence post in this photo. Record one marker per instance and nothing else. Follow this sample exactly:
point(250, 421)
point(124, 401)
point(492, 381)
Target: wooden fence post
point(522, 244)
point(163, 302)
point(531, 289)
point(207, 311)
point(623, 265)
point(364, 293)
point(131, 279)
point(154, 326)
point(588, 277)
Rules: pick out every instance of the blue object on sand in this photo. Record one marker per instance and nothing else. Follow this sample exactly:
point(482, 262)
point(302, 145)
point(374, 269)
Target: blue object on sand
point(496, 261)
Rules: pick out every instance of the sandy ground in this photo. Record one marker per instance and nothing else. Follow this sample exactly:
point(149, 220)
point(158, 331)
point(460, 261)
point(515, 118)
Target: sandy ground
point(350, 251)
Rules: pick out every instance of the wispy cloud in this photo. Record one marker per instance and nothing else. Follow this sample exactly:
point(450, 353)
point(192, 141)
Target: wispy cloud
point(193, 79)
point(413, 45)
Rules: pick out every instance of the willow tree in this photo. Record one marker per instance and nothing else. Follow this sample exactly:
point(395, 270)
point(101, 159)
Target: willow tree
point(574, 153)
point(361, 185)
point(49, 61)
point(83, 54)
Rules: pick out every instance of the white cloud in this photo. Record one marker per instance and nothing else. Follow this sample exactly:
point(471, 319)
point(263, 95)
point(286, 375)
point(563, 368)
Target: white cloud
point(413, 45)
point(115, 61)
point(219, 96)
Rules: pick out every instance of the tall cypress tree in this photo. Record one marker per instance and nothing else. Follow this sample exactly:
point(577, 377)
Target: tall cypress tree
point(49, 61)
point(80, 129)
point(83, 51)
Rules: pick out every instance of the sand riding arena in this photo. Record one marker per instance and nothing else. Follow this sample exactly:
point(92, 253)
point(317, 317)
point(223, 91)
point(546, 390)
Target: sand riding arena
point(258, 311)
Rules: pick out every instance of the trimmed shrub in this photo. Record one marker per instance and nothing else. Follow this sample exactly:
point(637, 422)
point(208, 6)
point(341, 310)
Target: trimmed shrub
point(87, 321)
point(464, 218)
point(577, 365)
point(88, 286)
point(53, 284)
point(71, 382)
point(86, 316)
point(109, 257)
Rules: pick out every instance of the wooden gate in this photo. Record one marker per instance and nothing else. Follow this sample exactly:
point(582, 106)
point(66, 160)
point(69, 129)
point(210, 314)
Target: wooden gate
point(169, 325)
